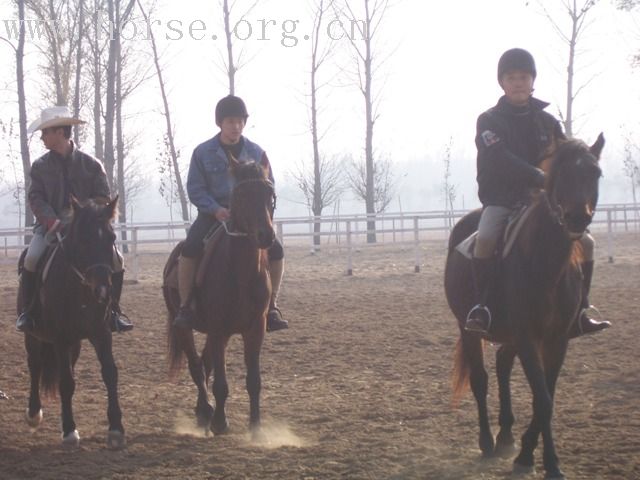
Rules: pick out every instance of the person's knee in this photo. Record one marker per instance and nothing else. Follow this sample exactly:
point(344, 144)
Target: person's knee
point(588, 247)
point(276, 251)
point(31, 262)
point(485, 244)
point(117, 261)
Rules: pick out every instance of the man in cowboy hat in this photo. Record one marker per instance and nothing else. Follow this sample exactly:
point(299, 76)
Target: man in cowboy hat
point(60, 173)
point(209, 187)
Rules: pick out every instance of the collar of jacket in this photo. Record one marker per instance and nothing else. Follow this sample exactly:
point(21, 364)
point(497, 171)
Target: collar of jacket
point(535, 105)
point(56, 156)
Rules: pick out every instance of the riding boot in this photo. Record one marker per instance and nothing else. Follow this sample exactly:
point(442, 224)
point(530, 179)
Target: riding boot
point(26, 321)
point(119, 321)
point(479, 318)
point(584, 324)
point(186, 279)
point(274, 316)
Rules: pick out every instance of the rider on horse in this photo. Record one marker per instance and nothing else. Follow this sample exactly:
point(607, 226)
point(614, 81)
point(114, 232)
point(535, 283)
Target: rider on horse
point(64, 171)
point(209, 185)
point(512, 138)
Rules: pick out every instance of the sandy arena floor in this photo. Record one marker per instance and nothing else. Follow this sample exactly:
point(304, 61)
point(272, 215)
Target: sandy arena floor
point(357, 388)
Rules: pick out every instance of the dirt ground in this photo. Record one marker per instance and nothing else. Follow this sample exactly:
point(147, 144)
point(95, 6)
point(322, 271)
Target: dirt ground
point(357, 388)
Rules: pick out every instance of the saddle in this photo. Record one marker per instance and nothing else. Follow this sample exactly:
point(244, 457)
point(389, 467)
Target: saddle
point(514, 225)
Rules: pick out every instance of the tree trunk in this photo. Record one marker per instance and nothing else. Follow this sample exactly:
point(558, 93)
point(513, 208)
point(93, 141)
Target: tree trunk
point(167, 114)
point(231, 68)
point(22, 119)
point(122, 198)
point(76, 93)
point(109, 153)
point(370, 187)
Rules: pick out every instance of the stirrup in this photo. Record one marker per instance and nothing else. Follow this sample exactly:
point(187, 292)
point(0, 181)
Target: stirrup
point(120, 322)
point(597, 321)
point(473, 325)
point(275, 321)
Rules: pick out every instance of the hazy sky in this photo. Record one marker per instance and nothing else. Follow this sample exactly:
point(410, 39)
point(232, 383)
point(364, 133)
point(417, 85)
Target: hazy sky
point(439, 74)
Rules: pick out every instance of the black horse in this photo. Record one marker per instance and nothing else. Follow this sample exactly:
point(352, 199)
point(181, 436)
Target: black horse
point(233, 299)
point(74, 304)
point(535, 301)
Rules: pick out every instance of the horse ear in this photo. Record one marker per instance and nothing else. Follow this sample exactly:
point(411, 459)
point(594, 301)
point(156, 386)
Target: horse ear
point(596, 148)
point(112, 208)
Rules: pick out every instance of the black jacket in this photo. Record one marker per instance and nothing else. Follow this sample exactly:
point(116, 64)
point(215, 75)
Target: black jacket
point(510, 142)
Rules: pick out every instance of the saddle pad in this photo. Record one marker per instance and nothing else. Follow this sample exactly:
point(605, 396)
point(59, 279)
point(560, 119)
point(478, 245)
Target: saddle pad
point(514, 225)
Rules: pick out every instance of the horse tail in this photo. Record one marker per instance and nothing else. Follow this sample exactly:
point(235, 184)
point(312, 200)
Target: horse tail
point(460, 373)
point(176, 353)
point(49, 376)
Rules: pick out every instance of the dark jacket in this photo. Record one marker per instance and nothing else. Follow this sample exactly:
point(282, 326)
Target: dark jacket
point(510, 142)
point(54, 178)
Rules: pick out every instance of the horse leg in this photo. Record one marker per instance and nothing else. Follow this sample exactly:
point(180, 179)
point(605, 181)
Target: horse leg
point(34, 360)
point(479, 379)
point(220, 386)
point(252, 346)
point(505, 444)
point(109, 370)
point(554, 355)
point(67, 386)
point(542, 405)
point(203, 410)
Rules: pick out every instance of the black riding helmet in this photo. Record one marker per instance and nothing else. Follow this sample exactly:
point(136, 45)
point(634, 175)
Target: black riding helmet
point(516, 59)
point(230, 106)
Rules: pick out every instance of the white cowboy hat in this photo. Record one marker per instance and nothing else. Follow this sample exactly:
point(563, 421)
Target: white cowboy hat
point(54, 117)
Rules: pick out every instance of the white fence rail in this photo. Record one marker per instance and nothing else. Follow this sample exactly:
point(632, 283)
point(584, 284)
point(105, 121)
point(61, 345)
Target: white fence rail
point(348, 231)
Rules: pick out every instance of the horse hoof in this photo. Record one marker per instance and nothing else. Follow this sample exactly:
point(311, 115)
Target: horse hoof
point(220, 427)
point(116, 440)
point(555, 476)
point(71, 440)
point(505, 450)
point(34, 421)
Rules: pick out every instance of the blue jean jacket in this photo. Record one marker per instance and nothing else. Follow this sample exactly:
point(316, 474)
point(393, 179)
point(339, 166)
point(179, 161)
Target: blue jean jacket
point(209, 182)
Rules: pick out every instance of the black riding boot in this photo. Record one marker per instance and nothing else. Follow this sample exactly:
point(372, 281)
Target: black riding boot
point(479, 318)
point(583, 324)
point(26, 321)
point(119, 321)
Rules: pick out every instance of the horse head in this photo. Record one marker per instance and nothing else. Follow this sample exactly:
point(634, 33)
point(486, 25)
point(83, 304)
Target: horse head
point(253, 202)
point(89, 244)
point(572, 183)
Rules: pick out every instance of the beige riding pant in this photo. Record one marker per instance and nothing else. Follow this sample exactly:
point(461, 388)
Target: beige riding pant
point(492, 223)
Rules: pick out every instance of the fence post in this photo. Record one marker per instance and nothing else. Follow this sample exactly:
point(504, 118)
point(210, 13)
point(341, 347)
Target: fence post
point(6, 249)
point(312, 236)
point(349, 260)
point(134, 248)
point(609, 237)
point(416, 239)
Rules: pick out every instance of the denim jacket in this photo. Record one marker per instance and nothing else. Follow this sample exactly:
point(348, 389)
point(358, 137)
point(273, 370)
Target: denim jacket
point(209, 183)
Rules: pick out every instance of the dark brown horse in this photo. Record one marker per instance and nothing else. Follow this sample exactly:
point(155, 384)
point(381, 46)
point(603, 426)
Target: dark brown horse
point(74, 304)
point(232, 299)
point(536, 299)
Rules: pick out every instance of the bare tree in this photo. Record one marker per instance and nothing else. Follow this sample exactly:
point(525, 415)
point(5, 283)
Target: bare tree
point(361, 31)
point(577, 11)
point(321, 184)
point(12, 182)
point(383, 181)
point(79, 56)
point(169, 136)
point(22, 111)
point(448, 188)
point(230, 63)
point(628, 5)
